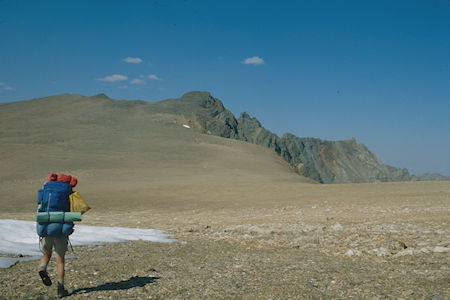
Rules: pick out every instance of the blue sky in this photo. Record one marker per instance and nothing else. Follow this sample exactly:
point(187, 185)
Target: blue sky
point(374, 70)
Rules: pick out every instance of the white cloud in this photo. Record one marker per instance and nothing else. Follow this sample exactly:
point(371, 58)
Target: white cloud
point(154, 77)
point(113, 78)
point(5, 87)
point(255, 60)
point(137, 81)
point(132, 60)
point(151, 76)
point(123, 87)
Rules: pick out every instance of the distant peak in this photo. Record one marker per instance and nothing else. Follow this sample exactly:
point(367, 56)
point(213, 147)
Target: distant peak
point(102, 95)
point(204, 99)
point(196, 94)
point(245, 115)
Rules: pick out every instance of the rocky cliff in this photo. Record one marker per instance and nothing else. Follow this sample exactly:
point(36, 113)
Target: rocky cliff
point(324, 161)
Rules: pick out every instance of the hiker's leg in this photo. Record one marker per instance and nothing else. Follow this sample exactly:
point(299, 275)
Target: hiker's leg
point(60, 249)
point(46, 245)
point(62, 292)
point(60, 266)
point(44, 260)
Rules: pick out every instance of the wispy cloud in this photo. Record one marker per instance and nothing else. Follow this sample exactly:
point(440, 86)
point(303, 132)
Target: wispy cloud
point(113, 78)
point(132, 60)
point(123, 87)
point(5, 87)
point(151, 76)
point(254, 60)
point(137, 81)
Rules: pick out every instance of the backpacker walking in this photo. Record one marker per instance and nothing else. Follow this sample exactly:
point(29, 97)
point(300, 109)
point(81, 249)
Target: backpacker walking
point(54, 197)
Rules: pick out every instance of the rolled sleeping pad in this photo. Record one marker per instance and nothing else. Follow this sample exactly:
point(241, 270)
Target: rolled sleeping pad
point(57, 217)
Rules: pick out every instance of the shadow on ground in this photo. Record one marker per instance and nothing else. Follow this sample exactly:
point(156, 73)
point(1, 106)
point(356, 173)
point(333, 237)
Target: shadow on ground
point(135, 281)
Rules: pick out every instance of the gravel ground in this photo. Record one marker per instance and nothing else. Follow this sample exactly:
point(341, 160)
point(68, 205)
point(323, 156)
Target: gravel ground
point(378, 241)
point(200, 268)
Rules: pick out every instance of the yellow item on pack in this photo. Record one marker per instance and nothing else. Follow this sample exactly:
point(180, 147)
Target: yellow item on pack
point(77, 204)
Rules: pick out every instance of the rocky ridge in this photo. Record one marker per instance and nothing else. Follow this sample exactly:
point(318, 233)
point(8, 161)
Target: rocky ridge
point(321, 160)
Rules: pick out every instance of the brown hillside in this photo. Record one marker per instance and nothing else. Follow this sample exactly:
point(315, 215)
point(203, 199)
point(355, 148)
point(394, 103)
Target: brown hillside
point(122, 145)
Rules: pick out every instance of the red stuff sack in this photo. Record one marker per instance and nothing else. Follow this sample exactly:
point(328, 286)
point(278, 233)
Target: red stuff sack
point(63, 178)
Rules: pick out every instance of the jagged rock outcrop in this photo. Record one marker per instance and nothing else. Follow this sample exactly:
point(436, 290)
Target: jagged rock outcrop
point(205, 112)
point(250, 130)
point(337, 161)
point(323, 161)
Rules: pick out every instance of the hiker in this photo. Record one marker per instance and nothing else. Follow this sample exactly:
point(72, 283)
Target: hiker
point(54, 197)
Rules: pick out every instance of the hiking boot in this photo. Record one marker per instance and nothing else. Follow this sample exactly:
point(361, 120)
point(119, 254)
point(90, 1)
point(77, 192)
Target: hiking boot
point(62, 292)
point(45, 278)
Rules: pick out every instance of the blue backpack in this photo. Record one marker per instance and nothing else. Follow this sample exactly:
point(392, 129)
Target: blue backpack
point(54, 197)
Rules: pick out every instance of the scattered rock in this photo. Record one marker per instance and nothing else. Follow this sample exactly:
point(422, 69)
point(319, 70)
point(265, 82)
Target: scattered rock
point(312, 284)
point(439, 249)
point(151, 270)
point(399, 245)
point(410, 251)
point(349, 253)
point(352, 252)
point(337, 227)
point(380, 252)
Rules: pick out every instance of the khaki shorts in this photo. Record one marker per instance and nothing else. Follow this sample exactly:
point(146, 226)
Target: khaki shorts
point(59, 243)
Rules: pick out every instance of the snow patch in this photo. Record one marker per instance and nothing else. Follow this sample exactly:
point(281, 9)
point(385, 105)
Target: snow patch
point(6, 262)
point(19, 237)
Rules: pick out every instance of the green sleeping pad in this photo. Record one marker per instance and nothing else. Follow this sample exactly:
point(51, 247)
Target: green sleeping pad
point(58, 217)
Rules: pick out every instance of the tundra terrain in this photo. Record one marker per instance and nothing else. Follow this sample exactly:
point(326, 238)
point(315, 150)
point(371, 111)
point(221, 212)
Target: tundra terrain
point(247, 226)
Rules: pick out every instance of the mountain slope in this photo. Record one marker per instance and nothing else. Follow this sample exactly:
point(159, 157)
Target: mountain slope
point(98, 124)
point(323, 161)
point(135, 148)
